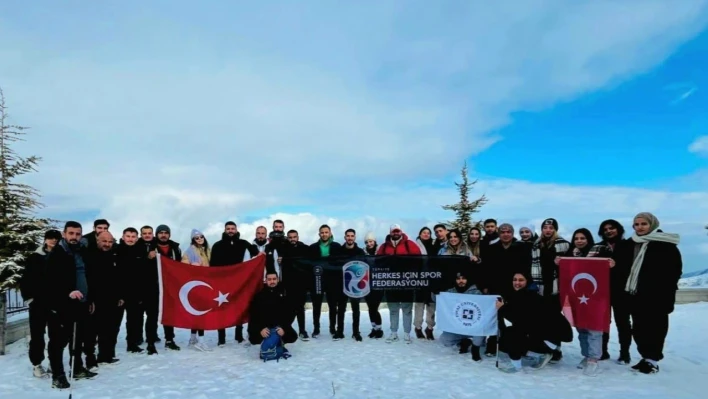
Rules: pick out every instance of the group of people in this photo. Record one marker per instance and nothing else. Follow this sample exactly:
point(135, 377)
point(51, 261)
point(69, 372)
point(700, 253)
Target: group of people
point(79, 287)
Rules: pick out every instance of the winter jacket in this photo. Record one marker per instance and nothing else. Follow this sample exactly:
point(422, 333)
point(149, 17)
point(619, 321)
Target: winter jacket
point(231, 251)
point(471, 290)
point(61, 280)
point(136, 275)
point(461, 249)
point(534, 315)
point(197, 256)
point(104, 277)
point(290, 275)
point(500, 264)
point(354, 251)
point(658, 277)
point(619, 273)
point(427, 246)
point(404, 246)
point(268, 309)
point(33, 283)
point(544, 270)
point(331, 276)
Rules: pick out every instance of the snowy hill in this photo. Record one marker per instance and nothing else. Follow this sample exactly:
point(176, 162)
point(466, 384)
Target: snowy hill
point(697, 279)
point(322, 369)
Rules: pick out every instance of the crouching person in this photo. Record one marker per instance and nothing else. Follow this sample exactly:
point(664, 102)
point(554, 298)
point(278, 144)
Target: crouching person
point(269, 315)
point(532, 324)
point(463, 286)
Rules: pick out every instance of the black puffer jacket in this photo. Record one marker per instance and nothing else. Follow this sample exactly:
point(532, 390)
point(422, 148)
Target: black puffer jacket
point(534, 315)
point(231, 250)
point(268, 309)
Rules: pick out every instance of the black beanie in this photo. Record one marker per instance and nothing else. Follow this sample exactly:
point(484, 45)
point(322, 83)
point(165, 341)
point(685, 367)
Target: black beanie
point(55, 234)
point(550, 221)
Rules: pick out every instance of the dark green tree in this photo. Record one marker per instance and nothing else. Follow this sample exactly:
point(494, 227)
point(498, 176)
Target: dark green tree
point(464, 209)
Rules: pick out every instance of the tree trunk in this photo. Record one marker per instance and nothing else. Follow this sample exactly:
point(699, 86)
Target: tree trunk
point(3, 322)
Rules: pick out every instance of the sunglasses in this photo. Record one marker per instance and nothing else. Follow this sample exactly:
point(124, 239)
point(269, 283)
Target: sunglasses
point(199, 237)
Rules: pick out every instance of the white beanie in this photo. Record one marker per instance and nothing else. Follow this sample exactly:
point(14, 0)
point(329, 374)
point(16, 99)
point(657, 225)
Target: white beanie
point(370, 236)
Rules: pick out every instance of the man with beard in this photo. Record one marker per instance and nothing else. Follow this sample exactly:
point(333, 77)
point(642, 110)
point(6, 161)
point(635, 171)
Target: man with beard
point(66, 294)
point(324, 248)
point(151, 280)
point(440, 238)
point(34, 293)
point(277, 243)
point(231, 250)
point(169, 249)
point(133, 264)
point(350, 248)
point(296, 282)
point(261, 239)
point(104, 278)
point(90, 240)
point(491, 236)
point(268, 313)
point(464, 286)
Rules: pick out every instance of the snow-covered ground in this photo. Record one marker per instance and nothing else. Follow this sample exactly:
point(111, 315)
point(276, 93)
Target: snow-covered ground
point(371, 369)
point(700, 281)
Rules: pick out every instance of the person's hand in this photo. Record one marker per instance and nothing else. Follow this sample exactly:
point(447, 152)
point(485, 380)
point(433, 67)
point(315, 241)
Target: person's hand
point(92, 308)
point(151, 254)
point(499, 304)
point(280, 259)
point(485, 291)
point(576, 251)
point(280, 331)
point(121, 302)
point(474, 259)
point(265, 333)
point(612, 263)
point(557, 260)
point(76, 295)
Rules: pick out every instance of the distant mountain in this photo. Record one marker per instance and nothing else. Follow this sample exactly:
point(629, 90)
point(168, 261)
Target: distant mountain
point(697, 279)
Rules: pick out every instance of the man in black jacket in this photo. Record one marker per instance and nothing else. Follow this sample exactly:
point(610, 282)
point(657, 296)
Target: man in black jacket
point(90, 240)
point(350, 248)
point(66, 295)
point(231, 250)
point(268, 311)
point(169, 249)
point(149, 285)
point(296, 282)
point(323, 248)
point(104, 278)
point(132, 264)
point(33, 292)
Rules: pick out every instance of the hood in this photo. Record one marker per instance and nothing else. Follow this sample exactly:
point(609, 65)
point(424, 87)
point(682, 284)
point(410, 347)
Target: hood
point(40, 250)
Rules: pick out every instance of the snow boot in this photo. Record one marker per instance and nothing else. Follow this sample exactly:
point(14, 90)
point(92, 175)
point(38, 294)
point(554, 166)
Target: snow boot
point(60, 382)
point(39, 371)
point(475, 353)
point(429, 334)
point(419, 333)
point(465, 345)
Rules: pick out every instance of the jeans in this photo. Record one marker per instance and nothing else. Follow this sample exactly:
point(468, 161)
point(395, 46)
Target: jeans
point(429, 309)
point(407, 308)
point(590, 343)
point(450, 339)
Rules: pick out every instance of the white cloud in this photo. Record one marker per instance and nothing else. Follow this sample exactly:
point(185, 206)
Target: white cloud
point(699, 146)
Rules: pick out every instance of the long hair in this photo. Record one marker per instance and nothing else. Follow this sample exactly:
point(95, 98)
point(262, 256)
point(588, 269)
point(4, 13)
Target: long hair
point(588, 237)
point(205, 246)
point(474, 247)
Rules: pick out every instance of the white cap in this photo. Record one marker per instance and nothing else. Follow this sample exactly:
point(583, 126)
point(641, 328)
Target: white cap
point(395, 227)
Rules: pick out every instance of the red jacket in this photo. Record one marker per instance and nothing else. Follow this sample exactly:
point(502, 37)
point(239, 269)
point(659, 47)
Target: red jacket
point(405, 247)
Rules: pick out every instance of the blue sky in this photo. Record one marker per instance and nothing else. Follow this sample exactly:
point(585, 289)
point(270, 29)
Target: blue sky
point(360, 115)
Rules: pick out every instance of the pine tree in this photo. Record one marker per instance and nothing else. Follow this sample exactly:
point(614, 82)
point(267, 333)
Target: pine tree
point(20, 230)
point(465, 209)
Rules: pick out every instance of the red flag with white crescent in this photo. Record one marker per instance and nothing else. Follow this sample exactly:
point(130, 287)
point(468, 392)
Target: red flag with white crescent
point(207, 298)
point(584, 288)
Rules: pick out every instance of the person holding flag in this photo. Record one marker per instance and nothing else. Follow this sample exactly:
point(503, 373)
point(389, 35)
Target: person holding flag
point(198, 254)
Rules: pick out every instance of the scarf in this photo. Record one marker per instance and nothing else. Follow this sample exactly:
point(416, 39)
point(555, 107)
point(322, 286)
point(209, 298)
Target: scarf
point(654, 236)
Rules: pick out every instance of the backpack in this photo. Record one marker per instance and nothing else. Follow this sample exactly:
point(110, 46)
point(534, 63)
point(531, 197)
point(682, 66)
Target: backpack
point(272, 348)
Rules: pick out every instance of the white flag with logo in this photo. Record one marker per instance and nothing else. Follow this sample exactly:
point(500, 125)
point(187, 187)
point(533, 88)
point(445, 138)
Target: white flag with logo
point(465, 314)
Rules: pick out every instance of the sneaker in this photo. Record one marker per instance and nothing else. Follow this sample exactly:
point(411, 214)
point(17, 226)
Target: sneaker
point(393, 337)
point(624, 358)
point(605, 356)
point(39, 371)
point(648, 368)
point(357, 337)
point(465, 345)
point(171, 345)
point(83, 374)
point(135, 349)
point(338, 336)
point(60, 382)
point(316, 332)
point(543, 361)
point(303, 336)
point(407, 338)
point(475, 354)
point(419, 333)
point(591, 369)
point(221, 344)
point(429, 334)
point(91, 363)
point(556, 357)
point(638, 365)
point(202, 346)
point(508, 368)
point(583, 363)
point(151, 350)
point(112, 360)
point(192, 341)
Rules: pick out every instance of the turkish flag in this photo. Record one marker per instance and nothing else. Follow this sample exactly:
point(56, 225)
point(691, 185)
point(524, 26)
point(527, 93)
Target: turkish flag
point(207, 298)
point(585, 292)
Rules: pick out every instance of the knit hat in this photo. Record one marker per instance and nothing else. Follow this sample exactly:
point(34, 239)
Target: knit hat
point(163, 227)
point(195, 233)
point(526, 228)
point(550, 221)
point(52, 234)
point(370, 236)
point(461, 274)
point(649, 217)
point(395, 227)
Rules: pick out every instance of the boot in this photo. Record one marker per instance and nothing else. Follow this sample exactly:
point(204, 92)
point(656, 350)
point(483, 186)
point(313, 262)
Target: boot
point(419, 333)
point(60, 382)
point(83, 374)
point(239, 334)
point(151, 349)
point(465, 345)
point(357, 337)
point(135, 349)
point(605, 342)
point(429, 334)
point(475, 354)
point(171, 345)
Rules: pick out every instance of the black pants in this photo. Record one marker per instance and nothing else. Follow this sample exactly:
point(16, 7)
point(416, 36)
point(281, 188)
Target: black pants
point(337, 303)
point(516, 343)
point(373, 301)
point(152, 309)
point(316, 308)
point(199, 332)
point(290, 336)
point(238, 333)
point(38, 315)
point(621, 313)
point(650, 330)
point(65, 327)
point(356, 313)
point(298, 298)
point(104, 326)
point(134, 322)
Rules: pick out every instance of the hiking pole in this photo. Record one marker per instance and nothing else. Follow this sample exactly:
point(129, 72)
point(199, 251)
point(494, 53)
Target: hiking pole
point(498, 337)
point(72, 362)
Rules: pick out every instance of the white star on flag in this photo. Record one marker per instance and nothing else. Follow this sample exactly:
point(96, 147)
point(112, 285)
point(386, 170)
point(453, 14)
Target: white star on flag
point(221, 298)
point(584, 299)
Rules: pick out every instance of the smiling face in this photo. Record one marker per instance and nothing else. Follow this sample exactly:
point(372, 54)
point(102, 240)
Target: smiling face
point(454, 239)
point(349, 238)
point(325, 234)
point(525, 234)
point(519, 282)
point(641, 226)
point(474, 235)
point(580, 240)
point(425, 234)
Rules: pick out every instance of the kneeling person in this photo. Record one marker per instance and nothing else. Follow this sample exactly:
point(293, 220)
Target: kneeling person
point(269, 312)
point(462, 286)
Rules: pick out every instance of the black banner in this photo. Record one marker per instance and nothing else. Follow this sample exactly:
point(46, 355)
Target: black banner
point(405, 278)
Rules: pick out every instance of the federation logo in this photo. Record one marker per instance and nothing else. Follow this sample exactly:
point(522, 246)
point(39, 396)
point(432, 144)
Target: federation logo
point(468, 313)
point(356, 279)
point(317, 270)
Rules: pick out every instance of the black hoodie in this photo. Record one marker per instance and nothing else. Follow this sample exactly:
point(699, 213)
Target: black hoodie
point(231, 250)
point(269, 309)
point(137, 272)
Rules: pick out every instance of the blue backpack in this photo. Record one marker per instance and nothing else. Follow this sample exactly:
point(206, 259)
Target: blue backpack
point(272, 348)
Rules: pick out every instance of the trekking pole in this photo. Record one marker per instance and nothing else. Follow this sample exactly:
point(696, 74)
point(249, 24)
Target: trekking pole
point(72, 362)
point(498, 337)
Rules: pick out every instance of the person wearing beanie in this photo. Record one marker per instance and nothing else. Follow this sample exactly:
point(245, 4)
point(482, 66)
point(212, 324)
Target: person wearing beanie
point(198, 254)
point(398, 243)
point(527, 235)
point(654, 266)
point(463, 285)
point(32, 288)
point(373, 300)
point(169, 249)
